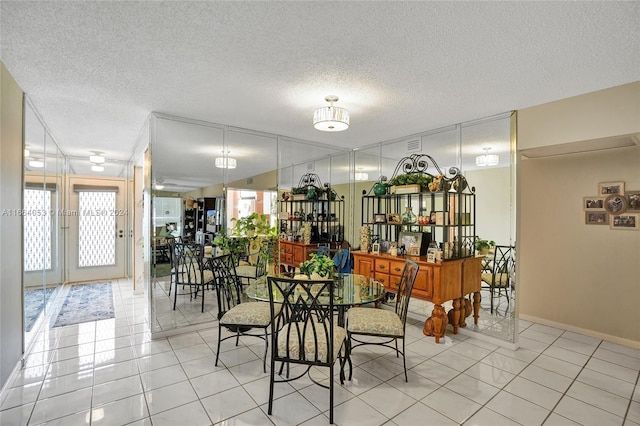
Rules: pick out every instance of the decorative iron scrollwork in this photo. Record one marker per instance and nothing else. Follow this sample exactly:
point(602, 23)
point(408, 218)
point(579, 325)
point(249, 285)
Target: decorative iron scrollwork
point(420, 163)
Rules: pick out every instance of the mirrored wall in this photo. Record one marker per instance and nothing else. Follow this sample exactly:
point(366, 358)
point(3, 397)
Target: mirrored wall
point(194, 164)
point(43, 237)
point(463, 146)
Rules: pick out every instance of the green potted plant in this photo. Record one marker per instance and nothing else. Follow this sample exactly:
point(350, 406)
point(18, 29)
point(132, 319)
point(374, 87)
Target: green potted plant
point(484, 246)
point(412, 179)
point(318, 267)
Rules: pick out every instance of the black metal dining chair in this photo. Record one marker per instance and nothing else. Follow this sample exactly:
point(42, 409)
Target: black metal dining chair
point(190, 272)
point(303, 331)
point(387, 325)
point(235, 313)
point(499, 278)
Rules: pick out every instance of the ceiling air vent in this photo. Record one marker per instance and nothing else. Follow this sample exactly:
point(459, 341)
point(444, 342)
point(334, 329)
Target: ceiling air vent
point(249, 181)
point(311, 166)
point(414, 145)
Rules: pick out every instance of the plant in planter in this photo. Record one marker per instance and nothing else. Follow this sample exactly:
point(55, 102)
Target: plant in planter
point(318, 267)
point(484, 246)
point(411, 179)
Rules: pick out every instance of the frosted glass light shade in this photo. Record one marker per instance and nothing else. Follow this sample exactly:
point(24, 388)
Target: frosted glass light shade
point(487, 160)
point(361, 176)
point(225, 163)
point(97, 159)
point(331, 119)
point(97, 168)
point(36, 164)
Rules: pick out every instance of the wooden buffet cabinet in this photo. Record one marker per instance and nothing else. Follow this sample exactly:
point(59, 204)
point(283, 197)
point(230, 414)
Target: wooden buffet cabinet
point(293, 253)
point(436, 282)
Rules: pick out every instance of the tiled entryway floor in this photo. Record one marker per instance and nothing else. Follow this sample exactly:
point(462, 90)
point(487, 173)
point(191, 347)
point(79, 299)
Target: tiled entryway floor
point(110, 373)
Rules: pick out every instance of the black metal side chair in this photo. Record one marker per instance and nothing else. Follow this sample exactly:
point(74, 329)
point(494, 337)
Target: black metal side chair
point(304, 332)
point(234, 313)
point(190, 271)
point(388, 325)
point(499, 278)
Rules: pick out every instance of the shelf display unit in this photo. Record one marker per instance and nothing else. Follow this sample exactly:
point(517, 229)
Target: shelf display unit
point(210, 215)
point(319, 209)
point(415, 215)
point(189, 224)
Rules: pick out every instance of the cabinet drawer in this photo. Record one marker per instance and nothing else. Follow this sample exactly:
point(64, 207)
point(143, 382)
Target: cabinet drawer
point(395, 268)
point(288, 248)
point(394, 281)
point(382, 279)
point(287, 258)
point(382, 266)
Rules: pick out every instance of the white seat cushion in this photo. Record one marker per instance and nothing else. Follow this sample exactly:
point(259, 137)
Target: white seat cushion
point(250, 313)
point(501, 279)
point(195, 278)
point(374, 321)
point(247, 271)
point(339, 337)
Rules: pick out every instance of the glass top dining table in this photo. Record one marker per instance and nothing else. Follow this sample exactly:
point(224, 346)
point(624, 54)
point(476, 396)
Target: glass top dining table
point(350, 290)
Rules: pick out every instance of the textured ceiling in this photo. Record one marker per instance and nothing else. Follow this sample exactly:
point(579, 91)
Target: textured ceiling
point(95, 70)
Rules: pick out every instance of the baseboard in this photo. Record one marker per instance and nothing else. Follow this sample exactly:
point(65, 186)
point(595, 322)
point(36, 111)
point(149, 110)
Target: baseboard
point(591, 333)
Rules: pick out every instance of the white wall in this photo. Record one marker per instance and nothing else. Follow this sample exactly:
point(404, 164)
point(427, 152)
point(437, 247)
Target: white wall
point(11, 320)
point(493, 203)
point(577, 276)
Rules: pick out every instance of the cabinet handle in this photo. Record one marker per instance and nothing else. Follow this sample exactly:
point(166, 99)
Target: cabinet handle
point(381, 266)
point(398, 269)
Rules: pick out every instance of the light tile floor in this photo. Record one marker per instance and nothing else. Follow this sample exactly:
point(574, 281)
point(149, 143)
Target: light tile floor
point(111, 373)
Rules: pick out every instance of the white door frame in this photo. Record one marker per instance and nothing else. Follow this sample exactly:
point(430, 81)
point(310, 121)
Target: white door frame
point(122, 238)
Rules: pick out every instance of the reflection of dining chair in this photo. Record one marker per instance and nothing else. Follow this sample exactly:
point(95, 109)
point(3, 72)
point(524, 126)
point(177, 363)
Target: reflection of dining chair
point(303, 331)
point(324, 250)
point(498, 278)
point(248, 272)
point(234, 313)
point(343, 260)
point(189, 271)
point(388, 325)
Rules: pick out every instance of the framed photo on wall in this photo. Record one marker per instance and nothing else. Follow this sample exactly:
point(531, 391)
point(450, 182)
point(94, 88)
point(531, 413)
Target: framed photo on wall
point(633, 199)
point(608, 188)
point(629, 221)
point(596, 218)
point(593, 204)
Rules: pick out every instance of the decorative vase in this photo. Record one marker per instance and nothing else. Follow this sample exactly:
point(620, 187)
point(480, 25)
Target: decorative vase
point(408, 217)
point(380, 188)
point(365, 238)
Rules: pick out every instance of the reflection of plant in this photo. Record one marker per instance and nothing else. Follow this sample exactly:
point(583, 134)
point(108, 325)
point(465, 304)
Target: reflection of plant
point(319, 264)
point(412, 178)
point(481, 244)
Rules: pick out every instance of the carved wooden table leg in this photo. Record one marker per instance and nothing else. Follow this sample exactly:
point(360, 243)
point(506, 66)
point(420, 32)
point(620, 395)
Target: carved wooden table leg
point(455, 317)
point(476, 307)
point(466, 309)
point(436, 323)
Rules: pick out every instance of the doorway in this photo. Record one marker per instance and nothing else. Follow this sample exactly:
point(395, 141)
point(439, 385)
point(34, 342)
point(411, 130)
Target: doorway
point(96, 221)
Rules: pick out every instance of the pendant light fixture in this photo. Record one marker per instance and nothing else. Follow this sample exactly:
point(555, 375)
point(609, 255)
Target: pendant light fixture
point(225, 162)
point(331, 118)
point(360, 175)
point(487, 159)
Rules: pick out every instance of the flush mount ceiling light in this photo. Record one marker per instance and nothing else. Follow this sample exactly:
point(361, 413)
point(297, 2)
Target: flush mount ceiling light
point(26, 152)
point(97, 168)
point(331, 119)
point(159, 183)
point(226, 163)
point(360, 175)
point(96, 158)
point(487, 160)
point(36, 163)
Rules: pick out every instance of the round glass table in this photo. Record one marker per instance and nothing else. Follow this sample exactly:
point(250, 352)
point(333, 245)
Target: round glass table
point(350, 290)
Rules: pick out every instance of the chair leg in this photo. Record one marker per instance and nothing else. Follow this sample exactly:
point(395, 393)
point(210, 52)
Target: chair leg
point(266, 349)
point(404, 360)
point(219, 337)
point(271, 379)
point(331, 393)
point(202, 310)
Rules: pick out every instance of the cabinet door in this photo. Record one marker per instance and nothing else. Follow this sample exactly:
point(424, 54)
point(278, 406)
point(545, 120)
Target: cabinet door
point(382, 266)
point(423, 285)
point(363, 266)
point(299, 254)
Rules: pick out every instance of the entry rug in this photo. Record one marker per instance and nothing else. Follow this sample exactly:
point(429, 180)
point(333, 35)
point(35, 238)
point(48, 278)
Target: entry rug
point(86, 302)
point(34, 303)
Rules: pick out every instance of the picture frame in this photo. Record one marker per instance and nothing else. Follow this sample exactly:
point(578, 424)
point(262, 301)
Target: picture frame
point(615, 204)
point(414, 242)
point(608, 188)
point(375, 248)
point(593, 204)
point(394, 218)
point(626, 221)
point(380, 218)
point(633, 201)
point(596, 217)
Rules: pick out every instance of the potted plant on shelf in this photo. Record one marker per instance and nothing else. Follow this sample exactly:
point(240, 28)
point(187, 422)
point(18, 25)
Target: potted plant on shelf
point(318, 267)
point(484, 246)
point(419, 181)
